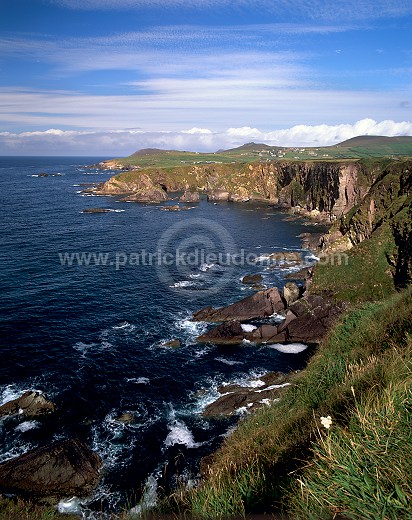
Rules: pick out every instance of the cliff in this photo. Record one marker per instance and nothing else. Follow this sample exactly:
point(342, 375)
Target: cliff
point(327, 190)
point(384, 215)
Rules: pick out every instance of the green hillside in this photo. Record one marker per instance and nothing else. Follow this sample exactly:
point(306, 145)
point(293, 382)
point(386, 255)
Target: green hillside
point(356, 148)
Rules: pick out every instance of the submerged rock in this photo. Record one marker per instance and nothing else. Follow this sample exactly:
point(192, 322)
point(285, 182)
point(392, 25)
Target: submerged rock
point(174, 343)
point(252, 279)
point(31, 404)
point(126, 418)
point(96, 210)
point(63, 469)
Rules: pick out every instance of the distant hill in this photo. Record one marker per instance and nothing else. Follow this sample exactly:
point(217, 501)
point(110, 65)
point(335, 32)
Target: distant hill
point(150, 151)
point(374, 140)
point(360, 147)
point(249, 147)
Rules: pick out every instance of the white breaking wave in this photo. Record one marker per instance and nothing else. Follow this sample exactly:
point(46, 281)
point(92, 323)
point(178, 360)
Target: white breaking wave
point(291, 348)
point(149, 498)
point(191, 328)
point(273, 387)
point(138, 380)
point(124, 325)
point(248, 328)
point(70, 506)
point(205, 267)
point(26, 426)
point(183, 283)
point(312, 257)
point(228, 361)
point(179, 433)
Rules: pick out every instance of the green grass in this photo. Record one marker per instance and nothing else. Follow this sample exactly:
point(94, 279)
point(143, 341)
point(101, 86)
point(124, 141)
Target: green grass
point(363, 470)
point(361, 274)
point(259, 467)
point(18, 509)
point(252, 153)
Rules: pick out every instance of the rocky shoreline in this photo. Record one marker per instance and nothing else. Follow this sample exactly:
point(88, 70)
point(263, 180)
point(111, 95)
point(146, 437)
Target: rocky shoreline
point(69, 467)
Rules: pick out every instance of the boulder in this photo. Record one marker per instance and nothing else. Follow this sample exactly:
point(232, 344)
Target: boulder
point(267, 331)
point(190, 196)
point(227, 333)
point(63, 469)
point(218, 195)
point(227, 404)
point(290, 293)
point(252, 279)
point(175, 207)
point(174, 343)
point(31, 404)
point(126, 418)
point(259, 305)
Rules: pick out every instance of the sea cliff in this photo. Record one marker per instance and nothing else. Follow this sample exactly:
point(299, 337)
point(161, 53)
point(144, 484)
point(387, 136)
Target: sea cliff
point(326, 190)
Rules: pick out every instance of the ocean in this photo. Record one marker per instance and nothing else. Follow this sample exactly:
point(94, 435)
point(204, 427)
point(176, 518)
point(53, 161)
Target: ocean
point(88, 301)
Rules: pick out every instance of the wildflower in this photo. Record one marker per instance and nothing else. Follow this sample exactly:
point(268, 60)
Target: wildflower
point(326, 421)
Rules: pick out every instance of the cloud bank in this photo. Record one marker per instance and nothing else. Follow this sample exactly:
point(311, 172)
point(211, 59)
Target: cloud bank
point(124, 142)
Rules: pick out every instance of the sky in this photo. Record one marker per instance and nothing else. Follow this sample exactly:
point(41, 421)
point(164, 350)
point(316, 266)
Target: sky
point(109, 77)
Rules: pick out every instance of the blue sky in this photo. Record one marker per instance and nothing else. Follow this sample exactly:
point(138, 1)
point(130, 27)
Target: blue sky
point(112, 76)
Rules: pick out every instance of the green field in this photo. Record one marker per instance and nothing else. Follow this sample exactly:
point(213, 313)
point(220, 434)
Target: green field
point(357, 148)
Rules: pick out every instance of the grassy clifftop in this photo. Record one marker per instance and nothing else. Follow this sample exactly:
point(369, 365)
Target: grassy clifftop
point(283, 459)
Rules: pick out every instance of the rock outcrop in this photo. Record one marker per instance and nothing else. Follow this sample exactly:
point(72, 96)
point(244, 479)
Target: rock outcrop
point(290, 293)
point(140, 188)
point(307, 321)
point(31, 404)
point(259, 305)
point(235, 398)
point(59, 470)
point(190, 196)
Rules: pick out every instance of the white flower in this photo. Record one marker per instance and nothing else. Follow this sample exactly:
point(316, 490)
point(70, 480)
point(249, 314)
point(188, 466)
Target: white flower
point(326, 421)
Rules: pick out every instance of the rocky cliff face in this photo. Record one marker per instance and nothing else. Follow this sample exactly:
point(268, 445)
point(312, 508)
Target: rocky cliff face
point(324, 189)
point(388, 202)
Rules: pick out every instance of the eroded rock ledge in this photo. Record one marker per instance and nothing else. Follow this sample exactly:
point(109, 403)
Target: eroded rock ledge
point(235, 398)
point(51, 472)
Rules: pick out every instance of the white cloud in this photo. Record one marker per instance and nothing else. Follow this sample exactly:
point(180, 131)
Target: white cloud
point(125, 142)
point(215, 103)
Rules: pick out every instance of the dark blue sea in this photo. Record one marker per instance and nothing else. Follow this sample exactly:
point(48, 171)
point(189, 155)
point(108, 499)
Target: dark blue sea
point(88, 300)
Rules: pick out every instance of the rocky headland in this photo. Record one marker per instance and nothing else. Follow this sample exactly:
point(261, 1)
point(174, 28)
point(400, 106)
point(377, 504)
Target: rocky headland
point(324, 190)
